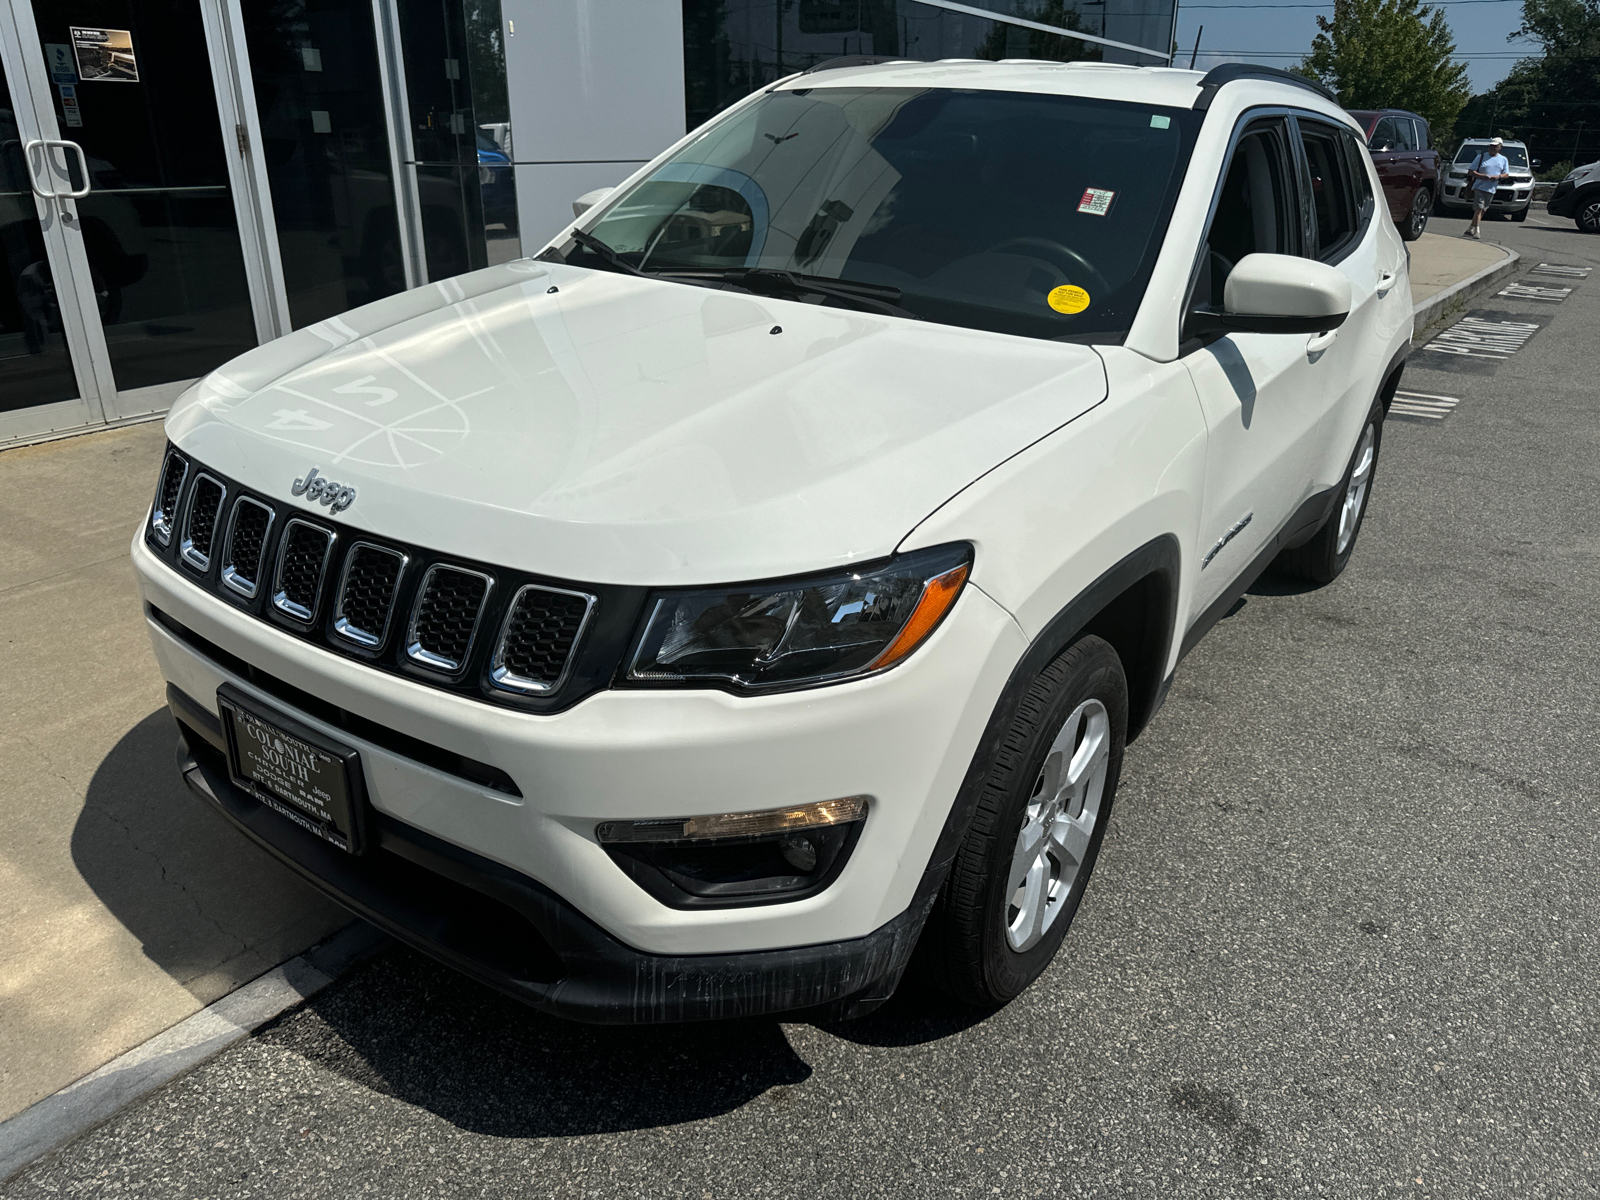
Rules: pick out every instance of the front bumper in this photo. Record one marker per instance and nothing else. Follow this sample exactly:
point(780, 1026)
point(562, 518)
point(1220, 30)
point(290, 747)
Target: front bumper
point(512, 933)
point(430, 762)
point(1560, 202)
point(1509, 199)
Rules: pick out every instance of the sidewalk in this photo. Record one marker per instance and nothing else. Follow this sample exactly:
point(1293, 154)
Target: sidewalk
point(126, 905)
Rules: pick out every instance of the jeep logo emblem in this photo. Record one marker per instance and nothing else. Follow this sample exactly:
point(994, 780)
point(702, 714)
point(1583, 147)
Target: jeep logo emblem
point(336, 496)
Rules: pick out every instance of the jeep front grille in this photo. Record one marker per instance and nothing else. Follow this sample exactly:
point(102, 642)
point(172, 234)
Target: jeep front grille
point(200, 526)
point(366, 594)
point(488, 633)
point(536, 643)
point(446, 617)
point(302, 562)
point(246, 546)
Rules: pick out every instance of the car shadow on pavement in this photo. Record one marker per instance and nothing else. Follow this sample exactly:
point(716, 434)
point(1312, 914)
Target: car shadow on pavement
point(207, 907)
point(408, 1027)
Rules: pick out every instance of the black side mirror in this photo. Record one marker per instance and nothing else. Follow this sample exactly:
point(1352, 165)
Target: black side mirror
point(1536, 164)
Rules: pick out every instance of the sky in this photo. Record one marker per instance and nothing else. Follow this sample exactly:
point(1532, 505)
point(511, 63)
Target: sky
point(1279, 33)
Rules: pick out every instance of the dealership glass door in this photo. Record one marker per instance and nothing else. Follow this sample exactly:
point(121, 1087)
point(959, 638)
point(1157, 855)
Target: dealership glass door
point(144, 284)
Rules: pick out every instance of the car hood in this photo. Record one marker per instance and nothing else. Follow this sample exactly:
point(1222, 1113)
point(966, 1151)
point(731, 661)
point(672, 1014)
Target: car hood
point(613, 429)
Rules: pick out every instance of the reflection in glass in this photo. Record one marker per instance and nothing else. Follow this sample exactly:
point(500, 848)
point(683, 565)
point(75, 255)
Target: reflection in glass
point(733, 47)
point(460, 132)
point(34, 366)
point(325, 143)
point(158, 225)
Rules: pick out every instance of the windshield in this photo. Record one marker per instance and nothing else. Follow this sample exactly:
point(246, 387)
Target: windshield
point(1019, 213)
point(1517, 156)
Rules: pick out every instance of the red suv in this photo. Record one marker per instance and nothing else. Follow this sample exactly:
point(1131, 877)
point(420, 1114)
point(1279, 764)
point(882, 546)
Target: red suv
point(1408, 165)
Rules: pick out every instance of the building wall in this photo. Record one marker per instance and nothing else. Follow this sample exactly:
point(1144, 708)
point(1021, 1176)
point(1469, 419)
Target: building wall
point(596, 90)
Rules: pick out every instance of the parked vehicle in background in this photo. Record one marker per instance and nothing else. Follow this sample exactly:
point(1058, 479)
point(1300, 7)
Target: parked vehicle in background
point(1578, 196)
point(1512, 198)
point(1408, 165)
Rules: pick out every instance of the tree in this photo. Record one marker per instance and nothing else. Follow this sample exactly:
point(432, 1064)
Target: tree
point(1390, 54)
point(1551, 101)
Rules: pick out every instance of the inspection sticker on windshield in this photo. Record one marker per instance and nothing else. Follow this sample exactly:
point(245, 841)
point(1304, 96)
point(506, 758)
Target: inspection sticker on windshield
point(1068, 299)
point(1096, 201)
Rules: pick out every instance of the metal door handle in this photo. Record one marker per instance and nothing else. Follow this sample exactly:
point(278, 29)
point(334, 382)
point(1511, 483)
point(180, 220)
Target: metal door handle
point(48, 169)
point(33, 176)
point(1321, 341)
point(83, 168)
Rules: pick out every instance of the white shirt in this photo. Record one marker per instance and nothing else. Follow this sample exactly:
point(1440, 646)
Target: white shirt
point(1493, 165)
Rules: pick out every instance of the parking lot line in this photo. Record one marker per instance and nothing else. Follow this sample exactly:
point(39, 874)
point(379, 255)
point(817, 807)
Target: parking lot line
point(1422, 406)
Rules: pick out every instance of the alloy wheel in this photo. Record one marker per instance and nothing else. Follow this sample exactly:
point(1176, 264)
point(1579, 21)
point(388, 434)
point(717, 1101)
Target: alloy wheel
point(1058, 825)
point(1355, 492)
point(1421, 206)
point(1589, 217)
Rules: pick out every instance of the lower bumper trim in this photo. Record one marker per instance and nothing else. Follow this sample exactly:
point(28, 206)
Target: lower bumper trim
point(516, 935)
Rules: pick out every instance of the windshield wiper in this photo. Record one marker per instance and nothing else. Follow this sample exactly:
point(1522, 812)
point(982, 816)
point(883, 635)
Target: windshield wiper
point(869, 296)
point(605, 253)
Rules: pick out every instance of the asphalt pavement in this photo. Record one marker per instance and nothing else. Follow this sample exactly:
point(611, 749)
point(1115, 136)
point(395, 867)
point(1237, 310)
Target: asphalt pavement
point(1341, 942)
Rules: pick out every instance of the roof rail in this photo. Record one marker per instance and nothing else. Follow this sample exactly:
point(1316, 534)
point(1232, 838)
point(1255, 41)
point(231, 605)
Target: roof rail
point(1228, 72)
point(857, 60)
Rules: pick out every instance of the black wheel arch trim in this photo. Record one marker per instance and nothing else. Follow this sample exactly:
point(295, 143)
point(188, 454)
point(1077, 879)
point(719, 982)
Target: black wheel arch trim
point(1154, 567)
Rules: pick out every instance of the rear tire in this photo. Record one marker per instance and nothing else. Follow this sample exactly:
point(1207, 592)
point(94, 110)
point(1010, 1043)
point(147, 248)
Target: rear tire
point(1325, 556)
point(1417, 221)
point(1021, 871)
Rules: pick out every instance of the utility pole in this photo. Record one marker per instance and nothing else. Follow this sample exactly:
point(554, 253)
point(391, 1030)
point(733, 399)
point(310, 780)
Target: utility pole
point(1576, 142)
point(1196, 49)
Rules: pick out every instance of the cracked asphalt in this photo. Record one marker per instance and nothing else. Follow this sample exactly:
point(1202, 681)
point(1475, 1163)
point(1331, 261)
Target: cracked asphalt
point(1341, 941)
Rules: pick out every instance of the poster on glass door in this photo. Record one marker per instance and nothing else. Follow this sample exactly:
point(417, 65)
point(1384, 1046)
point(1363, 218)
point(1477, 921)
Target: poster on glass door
point(104, 55)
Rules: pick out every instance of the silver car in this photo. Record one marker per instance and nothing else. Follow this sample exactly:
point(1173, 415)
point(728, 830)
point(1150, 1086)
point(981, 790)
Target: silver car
point(1512, 197)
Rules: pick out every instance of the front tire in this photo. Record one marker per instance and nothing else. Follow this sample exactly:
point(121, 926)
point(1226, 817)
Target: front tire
point(1521, 214)
point(1041, 817)
point(1325, 556)
point(1588, 215)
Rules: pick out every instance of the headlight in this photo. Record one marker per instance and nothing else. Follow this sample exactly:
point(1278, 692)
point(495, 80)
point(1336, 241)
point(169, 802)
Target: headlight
point(1572, 174)
point(796, 632)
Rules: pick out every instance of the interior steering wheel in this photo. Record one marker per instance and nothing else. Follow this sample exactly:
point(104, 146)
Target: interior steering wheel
point(1073, 265)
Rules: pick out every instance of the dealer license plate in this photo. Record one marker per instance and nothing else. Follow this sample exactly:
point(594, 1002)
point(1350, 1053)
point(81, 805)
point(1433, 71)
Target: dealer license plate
point(314, 782)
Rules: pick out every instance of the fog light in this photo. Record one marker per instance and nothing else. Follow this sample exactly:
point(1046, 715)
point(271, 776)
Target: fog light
point(737, 858)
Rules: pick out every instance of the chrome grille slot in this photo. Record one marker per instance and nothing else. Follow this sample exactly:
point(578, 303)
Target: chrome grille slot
point(366, 593)
point(200, 523)
point(445, 617)
point(164, 514)
point(537, 640)
point(302, 561)
point(246, 546)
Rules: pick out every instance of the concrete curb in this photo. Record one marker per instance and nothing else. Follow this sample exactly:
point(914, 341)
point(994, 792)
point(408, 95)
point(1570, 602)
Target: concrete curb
point(1455, 297)
point(79, 1107)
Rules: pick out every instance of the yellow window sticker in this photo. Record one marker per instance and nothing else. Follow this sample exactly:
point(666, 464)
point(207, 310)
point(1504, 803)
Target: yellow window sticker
point(1069, 298)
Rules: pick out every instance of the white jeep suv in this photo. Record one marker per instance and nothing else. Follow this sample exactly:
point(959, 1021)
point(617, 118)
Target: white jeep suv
point(766, 578)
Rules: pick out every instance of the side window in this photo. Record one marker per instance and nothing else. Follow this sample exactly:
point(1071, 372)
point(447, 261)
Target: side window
point(1255, 211)
point(1385, 136)
point(1407, 129)
point(1356, 160)
point(1424, 137)
point(1332, 204)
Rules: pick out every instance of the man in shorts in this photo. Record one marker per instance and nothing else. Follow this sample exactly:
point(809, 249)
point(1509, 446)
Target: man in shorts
point(1484, 176)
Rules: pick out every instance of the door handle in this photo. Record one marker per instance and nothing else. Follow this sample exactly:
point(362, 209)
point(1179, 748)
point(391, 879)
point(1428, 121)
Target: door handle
point(1386, 281)
point(43, 147)
point(1321, 341)
point(83, 168)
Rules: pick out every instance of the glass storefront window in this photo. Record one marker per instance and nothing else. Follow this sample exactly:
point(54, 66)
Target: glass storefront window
point(460, 132)
point(325, 144)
